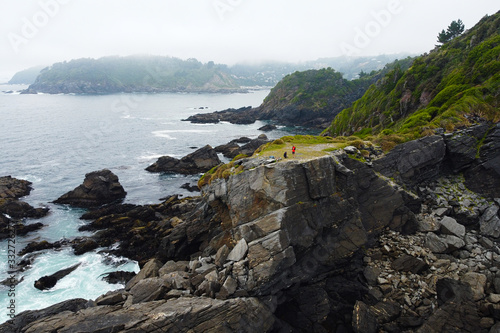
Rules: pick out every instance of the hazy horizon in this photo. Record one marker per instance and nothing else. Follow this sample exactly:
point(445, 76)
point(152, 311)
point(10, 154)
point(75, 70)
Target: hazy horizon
point(42, 32)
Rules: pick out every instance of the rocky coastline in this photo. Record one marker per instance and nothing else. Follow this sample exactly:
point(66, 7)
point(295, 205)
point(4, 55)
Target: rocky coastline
point(404, 241)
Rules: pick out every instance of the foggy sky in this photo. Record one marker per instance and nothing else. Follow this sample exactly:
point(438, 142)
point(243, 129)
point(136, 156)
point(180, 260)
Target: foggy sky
point(41, 32)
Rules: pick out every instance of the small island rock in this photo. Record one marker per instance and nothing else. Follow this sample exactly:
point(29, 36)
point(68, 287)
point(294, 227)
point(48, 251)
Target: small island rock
point(98, 188)
point(199, 161)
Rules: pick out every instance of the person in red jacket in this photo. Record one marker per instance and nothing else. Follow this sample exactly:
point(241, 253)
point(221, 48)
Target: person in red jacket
point(293, 151)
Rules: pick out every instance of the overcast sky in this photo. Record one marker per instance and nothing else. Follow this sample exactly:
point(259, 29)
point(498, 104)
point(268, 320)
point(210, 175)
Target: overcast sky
point(41, 32)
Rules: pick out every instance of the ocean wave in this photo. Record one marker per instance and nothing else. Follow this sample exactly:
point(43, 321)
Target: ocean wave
point(150, 157)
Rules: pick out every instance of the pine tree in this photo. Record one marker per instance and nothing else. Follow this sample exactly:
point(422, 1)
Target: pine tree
point(455, 29)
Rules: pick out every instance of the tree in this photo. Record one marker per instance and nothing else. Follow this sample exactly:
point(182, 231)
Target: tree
point(455, 29)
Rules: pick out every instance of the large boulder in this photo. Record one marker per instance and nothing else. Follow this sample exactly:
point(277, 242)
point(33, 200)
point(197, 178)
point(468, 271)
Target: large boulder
point(199, 161)
point(98, 188)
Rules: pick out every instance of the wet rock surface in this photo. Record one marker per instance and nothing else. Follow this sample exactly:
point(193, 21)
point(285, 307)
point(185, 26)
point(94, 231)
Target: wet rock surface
point(199, 161)
point(14, 212)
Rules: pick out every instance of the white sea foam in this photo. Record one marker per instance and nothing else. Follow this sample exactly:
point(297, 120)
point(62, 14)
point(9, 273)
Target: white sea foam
point(163, 134)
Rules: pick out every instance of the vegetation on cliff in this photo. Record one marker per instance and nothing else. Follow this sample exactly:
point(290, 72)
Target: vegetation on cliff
point(315, 90)
point(313, 98)
point(132, 74)
point(27, 76)
point(448, 88)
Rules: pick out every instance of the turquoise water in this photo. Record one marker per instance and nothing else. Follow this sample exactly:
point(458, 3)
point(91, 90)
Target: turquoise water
point(54, 140)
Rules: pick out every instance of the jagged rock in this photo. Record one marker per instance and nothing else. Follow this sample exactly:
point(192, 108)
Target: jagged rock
point(450, 226)
point(228, 288)
point(457, 312)
point(199, 161)
point(244, 115)
point(173, 266)
point(84, 245)
point(39, 246)
point(435, 243)
point(268, 127)
point(49, 281)
point(177, 280)
point(118, 277)
point(413, 162)
point(147, 290)
point(249, 148)
point(239, 251)
point(228, 148)
point(98, 188)
point(12, 209)
point(150, 269)
point(484, 177)
point(111, 298)
point(19, 209)
point(461, 147)
point(221, 255)
point(443, 244)
point(13, 188)
point(489, 223)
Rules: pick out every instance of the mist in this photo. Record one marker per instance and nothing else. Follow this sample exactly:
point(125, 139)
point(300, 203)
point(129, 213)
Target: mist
point(41, 32)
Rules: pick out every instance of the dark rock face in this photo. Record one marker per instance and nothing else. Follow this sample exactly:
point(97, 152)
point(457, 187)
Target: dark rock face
point(98, 188)
point(19, 209)
point(233, 149)
point(413, 162)
point(484, 177)
point(199, 161)
point(121, 277)
point(13, 210)
point(244, 115)
point(268, 127)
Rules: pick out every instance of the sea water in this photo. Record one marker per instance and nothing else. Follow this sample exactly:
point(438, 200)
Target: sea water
point(54, 140)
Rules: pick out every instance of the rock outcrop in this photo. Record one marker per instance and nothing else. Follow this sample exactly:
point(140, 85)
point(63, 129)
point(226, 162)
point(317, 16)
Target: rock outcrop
point(98, 188)
point(49, 281)
point(322, 245)
point(14, 211)
point(199, 161)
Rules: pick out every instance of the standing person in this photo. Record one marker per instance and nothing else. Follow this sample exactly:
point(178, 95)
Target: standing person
point(293, 151)
point(285, 155)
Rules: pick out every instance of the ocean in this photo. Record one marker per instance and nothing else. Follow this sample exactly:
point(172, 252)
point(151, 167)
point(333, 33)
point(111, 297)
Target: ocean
point(54, 140)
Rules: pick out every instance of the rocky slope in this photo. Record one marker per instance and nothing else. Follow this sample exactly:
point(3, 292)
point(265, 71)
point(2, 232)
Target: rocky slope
point(335, 243)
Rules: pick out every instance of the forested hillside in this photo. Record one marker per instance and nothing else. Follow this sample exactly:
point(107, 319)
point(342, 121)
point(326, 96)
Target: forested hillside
point(453, 86)
point(133, 74)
